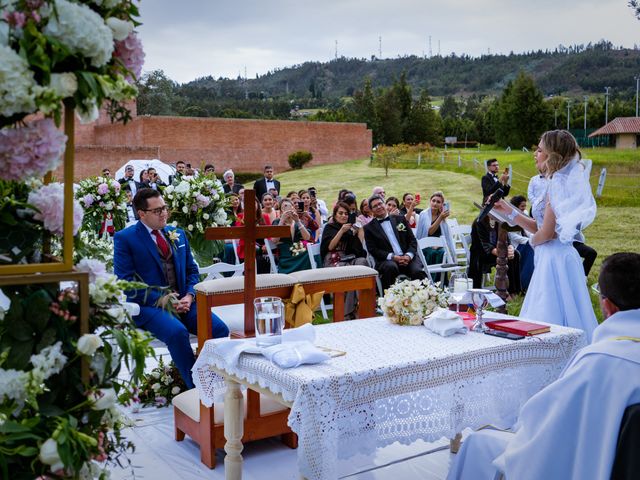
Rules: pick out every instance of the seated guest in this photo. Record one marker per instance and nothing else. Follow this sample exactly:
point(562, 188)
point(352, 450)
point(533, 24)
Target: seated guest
point(342, 245)
point(144, 180)
point(229, 182)
point(392, 245)
point(262, 260)
point(352, 203)
point(409, 209)
point(365, 213)
point(378, 191)
point(319, 204)
point(293, 197)
point(276, 197)
point(235, 206)
point(393, 206)
point(292, 258)
point(268, 208)
point(432, 223)
point(484, 253)
point(209, 169)
point(309, 217)
point(570, 429)
point(520, 240)
point(145, 251)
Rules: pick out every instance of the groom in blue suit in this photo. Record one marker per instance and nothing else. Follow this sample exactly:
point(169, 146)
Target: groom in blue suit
point(160, 256)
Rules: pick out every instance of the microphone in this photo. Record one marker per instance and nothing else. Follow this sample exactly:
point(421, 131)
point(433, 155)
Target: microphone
point(497, 195)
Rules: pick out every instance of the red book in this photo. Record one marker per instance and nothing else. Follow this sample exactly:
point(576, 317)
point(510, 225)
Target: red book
point(519, 327)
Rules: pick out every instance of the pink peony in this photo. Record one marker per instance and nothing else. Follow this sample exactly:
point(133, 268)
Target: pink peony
point(115, 185)
point(103, 189)
point(49, 200)
point(30, 151)
point(130, 53)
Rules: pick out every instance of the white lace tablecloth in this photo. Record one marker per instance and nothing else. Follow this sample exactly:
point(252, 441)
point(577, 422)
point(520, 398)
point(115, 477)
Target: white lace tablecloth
point(397, 383)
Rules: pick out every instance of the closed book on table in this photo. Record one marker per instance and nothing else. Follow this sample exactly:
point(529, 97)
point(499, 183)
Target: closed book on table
point(518, 327)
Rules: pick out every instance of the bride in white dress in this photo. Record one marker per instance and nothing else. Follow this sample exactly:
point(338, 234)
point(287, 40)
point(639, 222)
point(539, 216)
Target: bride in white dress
point(558, 291)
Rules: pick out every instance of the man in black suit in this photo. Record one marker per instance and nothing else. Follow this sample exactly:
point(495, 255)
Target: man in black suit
point(491, 182)
point(263, 185)
point(392, 244)
point(129, 181)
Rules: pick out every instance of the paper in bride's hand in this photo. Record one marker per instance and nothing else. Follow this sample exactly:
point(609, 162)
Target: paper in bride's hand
point(499, 217)
point(445, 323)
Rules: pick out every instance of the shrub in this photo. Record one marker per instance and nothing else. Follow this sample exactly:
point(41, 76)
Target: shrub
point(299, 158)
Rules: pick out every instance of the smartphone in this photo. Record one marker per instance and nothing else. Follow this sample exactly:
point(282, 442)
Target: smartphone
point(417, 197)
point(300, 206)
point(312, 193)
point(507, 335)
point(446, 206)
point(352, 218)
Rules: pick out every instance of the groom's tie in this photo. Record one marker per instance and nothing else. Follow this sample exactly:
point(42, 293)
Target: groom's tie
point(162, 244)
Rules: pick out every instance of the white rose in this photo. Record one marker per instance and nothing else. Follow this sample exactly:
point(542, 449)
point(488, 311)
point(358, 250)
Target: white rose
point(63, 84)
point(88, 111)
point(205, 216)
point(190, 227)
point(49, 454)
point(120, 28)
point(185, 209)
point(89, 343)
point(166, 380)
point(175, 390)
point(156, 386)
point(103, 399)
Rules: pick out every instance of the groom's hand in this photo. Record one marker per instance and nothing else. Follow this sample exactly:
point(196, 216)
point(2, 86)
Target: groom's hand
point(184, 304)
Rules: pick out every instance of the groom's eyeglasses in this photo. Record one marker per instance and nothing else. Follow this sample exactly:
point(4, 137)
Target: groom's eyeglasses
point(158, 211)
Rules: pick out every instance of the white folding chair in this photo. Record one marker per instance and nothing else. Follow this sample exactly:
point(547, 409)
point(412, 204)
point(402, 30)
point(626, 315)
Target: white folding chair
point(269, 247)
point(372, 263)
point(231, 315)
point(461, 254)
point(313, 249)
point(444, 267)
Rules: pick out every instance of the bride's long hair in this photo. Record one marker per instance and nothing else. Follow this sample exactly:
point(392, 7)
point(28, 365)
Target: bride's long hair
point(561, 147)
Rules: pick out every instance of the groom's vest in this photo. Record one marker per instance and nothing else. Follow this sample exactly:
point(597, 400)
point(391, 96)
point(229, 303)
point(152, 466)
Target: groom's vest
point(169, 269)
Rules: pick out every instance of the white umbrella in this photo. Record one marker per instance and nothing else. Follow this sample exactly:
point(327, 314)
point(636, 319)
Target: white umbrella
point(162, 169)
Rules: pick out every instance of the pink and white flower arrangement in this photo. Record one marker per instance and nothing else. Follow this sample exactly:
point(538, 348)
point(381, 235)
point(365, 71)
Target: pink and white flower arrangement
point(101, 196)
point(129, 52)
point(30, 151)
point(49, 201)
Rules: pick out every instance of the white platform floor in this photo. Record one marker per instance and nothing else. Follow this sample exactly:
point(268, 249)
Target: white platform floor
point(158, 456)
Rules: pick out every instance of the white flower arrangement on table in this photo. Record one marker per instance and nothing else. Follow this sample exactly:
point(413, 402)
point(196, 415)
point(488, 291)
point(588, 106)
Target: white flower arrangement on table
point(102, 197)
point(410, 301)
point(297, 248)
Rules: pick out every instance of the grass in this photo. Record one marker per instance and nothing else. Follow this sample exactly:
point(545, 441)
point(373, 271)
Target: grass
point(614, 229)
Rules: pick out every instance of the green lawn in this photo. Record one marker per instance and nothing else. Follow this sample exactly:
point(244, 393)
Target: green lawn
point(612, 231)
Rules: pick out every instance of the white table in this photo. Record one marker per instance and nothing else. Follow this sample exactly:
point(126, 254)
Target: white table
point(395, 383)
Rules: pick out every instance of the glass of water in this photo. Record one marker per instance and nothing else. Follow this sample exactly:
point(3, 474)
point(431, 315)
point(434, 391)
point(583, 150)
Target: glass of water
point(269, 316)
point(458, 286)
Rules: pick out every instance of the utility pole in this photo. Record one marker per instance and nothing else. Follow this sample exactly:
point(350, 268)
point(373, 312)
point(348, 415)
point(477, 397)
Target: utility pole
point(430, 51)
point(439, 48)
point(637, 77)
point(586, 101)
point(336, 49)
point(568, 113)
point(606, 105)
point(380, 47)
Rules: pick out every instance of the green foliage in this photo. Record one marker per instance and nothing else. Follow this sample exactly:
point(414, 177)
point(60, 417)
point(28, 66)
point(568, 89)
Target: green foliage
point(521, 114)
point(300, 158)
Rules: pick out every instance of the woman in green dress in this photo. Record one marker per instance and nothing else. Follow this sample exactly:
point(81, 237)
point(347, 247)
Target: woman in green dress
point(293, 257)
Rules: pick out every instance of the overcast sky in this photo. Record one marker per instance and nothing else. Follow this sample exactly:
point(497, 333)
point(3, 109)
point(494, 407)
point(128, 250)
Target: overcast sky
point(195, 38)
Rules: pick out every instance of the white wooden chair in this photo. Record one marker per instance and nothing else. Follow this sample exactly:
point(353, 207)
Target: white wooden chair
point(217, 269)
point(313, 249)
point(462, 247)
point(270, 247)
point(372, 263)
point(231, 315)
point(444, 267)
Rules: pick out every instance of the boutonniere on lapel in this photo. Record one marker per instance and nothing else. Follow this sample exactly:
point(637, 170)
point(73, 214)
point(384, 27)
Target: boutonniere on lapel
point(174, 236)
point(400, 227)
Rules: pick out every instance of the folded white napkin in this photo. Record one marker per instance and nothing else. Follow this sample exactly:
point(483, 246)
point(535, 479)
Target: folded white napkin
point(293, 354)
point(444, 322)
point(230, 350)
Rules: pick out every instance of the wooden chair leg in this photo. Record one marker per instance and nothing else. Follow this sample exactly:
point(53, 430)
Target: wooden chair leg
point(290, 440)
point(207, 438)
point(367, 303)
point(338, 306)
point(179, 434)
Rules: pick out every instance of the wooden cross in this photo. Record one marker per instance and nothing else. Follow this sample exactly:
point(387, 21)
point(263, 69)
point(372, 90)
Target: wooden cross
point(249, 233)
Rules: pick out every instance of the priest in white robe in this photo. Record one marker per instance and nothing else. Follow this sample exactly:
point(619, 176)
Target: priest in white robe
point(569, 430)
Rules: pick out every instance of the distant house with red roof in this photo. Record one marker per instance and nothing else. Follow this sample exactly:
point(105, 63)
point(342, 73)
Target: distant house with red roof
point(625, 132)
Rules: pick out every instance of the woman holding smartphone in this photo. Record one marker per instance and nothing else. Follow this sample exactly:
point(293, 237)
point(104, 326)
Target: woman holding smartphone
point(432, 223)
point(342, 241)
point(309, 216)
point(409, 209)
point(291, 258)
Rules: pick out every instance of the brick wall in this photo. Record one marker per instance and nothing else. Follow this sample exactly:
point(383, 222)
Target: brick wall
point(244, 145)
